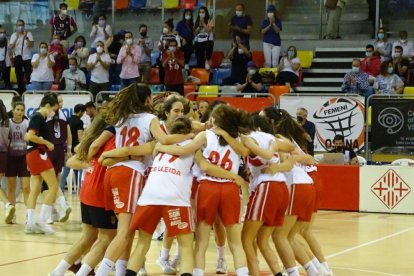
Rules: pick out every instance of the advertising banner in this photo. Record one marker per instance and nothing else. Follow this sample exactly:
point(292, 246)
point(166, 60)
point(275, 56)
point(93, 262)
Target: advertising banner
point(6, 97)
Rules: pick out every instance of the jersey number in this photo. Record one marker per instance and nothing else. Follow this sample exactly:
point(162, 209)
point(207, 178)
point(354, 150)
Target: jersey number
point(225, 162)
point(172, 159)
point(129, 137)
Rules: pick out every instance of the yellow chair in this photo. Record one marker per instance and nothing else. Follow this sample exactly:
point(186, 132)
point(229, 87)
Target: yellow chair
point(13, 78)
point(369, 115)
point(305, 58)
point(171, 4)
point(274, 70)
point(409, 90)
point(208, 91)
point(72, 4)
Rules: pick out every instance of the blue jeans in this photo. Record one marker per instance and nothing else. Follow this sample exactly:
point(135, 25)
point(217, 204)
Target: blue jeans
point(64, 176)
point(42, 85)
point(128, 82)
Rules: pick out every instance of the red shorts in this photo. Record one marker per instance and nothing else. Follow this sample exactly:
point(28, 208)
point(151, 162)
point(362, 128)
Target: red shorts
point(194, 188)
point(123, 186)
point(218, 198)
point(268, 203)
point(178, 219)
point(301, 201)
point(317, 184)
point(37, 162)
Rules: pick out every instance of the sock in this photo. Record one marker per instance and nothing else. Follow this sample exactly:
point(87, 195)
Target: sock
point(62, 202)
point(293, 271)
point(177, 251)
point(8, 204)
point(242, 271)
point(311, 269)
point(84, 270)
point(30, 217)
point(45, 213)
point(105, 267)
point(62, 267)
point(220, 250)
point(120, 267)
point(325, 265)
point(279, 274)
point(198, 272)
point(316, 263)
point(129, 272)
point(165, 254)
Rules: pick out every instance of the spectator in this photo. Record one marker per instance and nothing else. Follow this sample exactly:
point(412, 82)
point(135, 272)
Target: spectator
point(339, 146)
point(113, 49)
point(383, 46)
point(63, 25)
point(271, 28)
point(73, 78)
point(289, 68)
point(147, 45)
point(334, 18)
point(5, 64)
point(400, 63)
point(98, 64)
point(371, 63)
point(185, 31)
point(309, 127)
point(204, 38)
point(407, 46)
point(90, 110)
point(80, 52)
point(240, 25)
point(173, 62)
point(253, 82)
point(130, 57)
point(167, 35)
point(21, 46)
point(356, 81)
point(100, 32)
point(42, 75)
point(388, 82)
point(239, 55)
point(59, 52)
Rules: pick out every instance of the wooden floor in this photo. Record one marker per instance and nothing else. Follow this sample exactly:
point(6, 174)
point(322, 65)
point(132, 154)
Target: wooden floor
point(355, 244)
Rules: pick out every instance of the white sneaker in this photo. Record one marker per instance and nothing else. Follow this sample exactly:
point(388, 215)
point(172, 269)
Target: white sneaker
point(142, 271)
point(55, 274)
point(157, 236)
point(175, 262)
point(47, 229)
point(64, 214)
point(10, 210)
point(33, 229)
point(166, 267)
point(207, 65)
point(324, 272)
point(221, 266)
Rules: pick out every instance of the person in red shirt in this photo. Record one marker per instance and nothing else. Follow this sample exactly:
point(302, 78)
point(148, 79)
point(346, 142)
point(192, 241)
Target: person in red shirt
point(173, 63)
point(371, 64)
point(58, 50)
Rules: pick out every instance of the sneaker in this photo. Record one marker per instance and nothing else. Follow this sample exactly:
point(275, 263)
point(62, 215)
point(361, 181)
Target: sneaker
point(33, 229)
point(47, 229)
point(207, 65)
point(142, 271)
point(175, 262)
point(9, 213)
point(157, 236)
point(64, 214)
point(166, 267)
point(186, 67)
point(324, 272)
point(221, 266)
point(55, 274)
point(53, 218)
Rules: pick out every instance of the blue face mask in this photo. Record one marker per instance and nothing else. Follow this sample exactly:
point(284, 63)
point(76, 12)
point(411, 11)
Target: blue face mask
point(291, 54)
point(381, 35)
point(355, 69)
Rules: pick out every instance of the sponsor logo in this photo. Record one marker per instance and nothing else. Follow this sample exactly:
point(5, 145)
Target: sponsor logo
point(117, 202)
point(390, 189)
point(392, 119)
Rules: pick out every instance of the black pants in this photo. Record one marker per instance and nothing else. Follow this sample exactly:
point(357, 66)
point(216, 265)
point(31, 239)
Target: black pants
point(287, 77)
point(203, 51)
point(179, 88)
point(23, 71)
point(5, 76)
point(188, 50)
point(95, 88)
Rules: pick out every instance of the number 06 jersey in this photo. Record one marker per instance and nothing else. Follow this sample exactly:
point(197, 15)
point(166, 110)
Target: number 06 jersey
point(136, 130)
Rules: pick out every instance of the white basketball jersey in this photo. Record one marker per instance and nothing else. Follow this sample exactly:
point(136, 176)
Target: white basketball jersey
point(256, 164)
point(222, 156)
point(169, 181)
point(17, 142)
point(298, 174)
point(134, 131)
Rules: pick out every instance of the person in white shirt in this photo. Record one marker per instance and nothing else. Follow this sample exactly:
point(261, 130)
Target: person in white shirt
point(289, 68)
point(407, 46)
point(100, 32)
point(98, 64)
point(73, 78)
point(42, 75)
point(5, 64)
point(21, 46)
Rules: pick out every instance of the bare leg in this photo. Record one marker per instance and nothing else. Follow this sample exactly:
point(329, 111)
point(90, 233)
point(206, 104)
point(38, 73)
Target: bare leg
point(268, 253)
point(95, 255)
point(201, 244)
point(249, 234)
point(89, 236)
point(25, 186)
point(186, 252)
point(138, 255)
point(282, 244)
point(11, 190)
point(234, 239)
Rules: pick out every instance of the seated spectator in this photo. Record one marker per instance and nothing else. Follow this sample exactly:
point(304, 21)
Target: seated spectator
point(387, 82)
point(350, 157)
point(371, 63)
point(59, 53)
point(407, 46)
point(42, 63)
point(98, 64)
point(80, 52)
point(253, 81)
point(400, 64)
point(239, 55)
point(5, 64)
point(356, 81)
point(73, 78)
point(173, 62)
point(289, 68)
point(383, 46)
point(308, 126)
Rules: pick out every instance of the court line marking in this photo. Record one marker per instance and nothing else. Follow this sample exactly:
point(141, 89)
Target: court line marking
point(47, 242)
point(364, 270)
point(368, 221)
point(369, 243)
point(31, 259)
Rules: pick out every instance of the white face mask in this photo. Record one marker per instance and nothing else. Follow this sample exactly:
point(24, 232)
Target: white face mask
point(129, 41)
point(270, 15)
point(172, 48)
point(355, 69)
point(165, 30)
point(239, 13)
point(64, 12)
point(403, 41)
point(187, 17)
point(397, 55)
point(251, 71)
point(390, 70)
point(42, 51)
point(202, 14)
point(99, 49)
point(240, 51)
point(368, 54)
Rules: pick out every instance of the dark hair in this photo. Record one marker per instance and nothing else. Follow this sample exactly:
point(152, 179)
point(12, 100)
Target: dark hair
point(96, 128)
point(182, 125)
point(369, 46)
point(128, 32)
point(20, 20)
point(170, 23)
point(206, 17)
point(241, 5)
point(274, 115)
point(168, 104)
point(339, 137)
point(18, 103)
point(130, 100)
point(79, 108)
point(403, 33)
point(43, 43)
point(191, 19)
point(228, 119)
point(4, 117)
point(294, 50)
point(49, 98)
point(399, 48)
point(63, 5)
point(263, 123)
point(73, 58)
point(90, 104)
point(16, 99)
point(81, 37)
point(290, 128)
point(102, 15)
point(384, 67)
point(210, 108)
point(142, 26)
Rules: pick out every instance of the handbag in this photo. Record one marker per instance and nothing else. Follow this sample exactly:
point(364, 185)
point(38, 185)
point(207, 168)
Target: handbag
point(331, 4)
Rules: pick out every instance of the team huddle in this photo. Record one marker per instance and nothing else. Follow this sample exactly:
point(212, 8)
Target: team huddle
point(140, 169)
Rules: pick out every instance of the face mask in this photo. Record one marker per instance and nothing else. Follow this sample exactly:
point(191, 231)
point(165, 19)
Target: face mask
point(339, 149)
point(381, 36)
point(143, 34)
point(64, 12)
point(291, 54)
point(172, 48)
point(252, 71)
point(239, 13)
point(240, 51)
point(101, 23)
point(403, 41)
point(299, 119)
point(397, 55)
point(355, 69)
point(270, 15)
point(55, 41)
point(42, 51)
point(165, 30)
point(129, 41)
point(187, 17)
point(2, 36)
point(368, 54)
point(390, 70)
point(20, 28)
point(79, 43)
point(99, 49)
point(202, 14)
point(72, 67)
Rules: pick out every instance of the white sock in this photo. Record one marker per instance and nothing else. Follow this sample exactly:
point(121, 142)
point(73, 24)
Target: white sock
point(325, 265)
point(177, 251)
point(62, 267)
point(316, 263)
point(120, 267)
point(8, 204)
point(62, 202)
point(311, 269)
point(165, 254)
point(293, 271)
point(198, 272)
point(105, 267)
point(220, 250)
point(45, 213)
point(30, 217)
point(84, 270)
point(242, 271)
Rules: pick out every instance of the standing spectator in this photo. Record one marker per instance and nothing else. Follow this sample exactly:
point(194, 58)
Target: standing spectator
point(334, 18)
point(383, 46)
point(90, 110)
point(400, 63)
point(100, 32)
point(113, 50)
point(58, 50)
point(42, 75)
point(253, 82)
point(309, 127)
point(63, 25)
point(98, 64)
point(239, 55)
point(371, 63)
point(271, 28)
point(289, 68)
point(185, 31)
point(80, 52)
point(356, 81)
point(21, 46)
point(204, 38)
point(388, 83)
point(129, 56)
point(167, 35)
point(5, 64)
point(407, 46)
point(73, 78)
point(241, 24)
point(173, 62)
point(147, 45)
